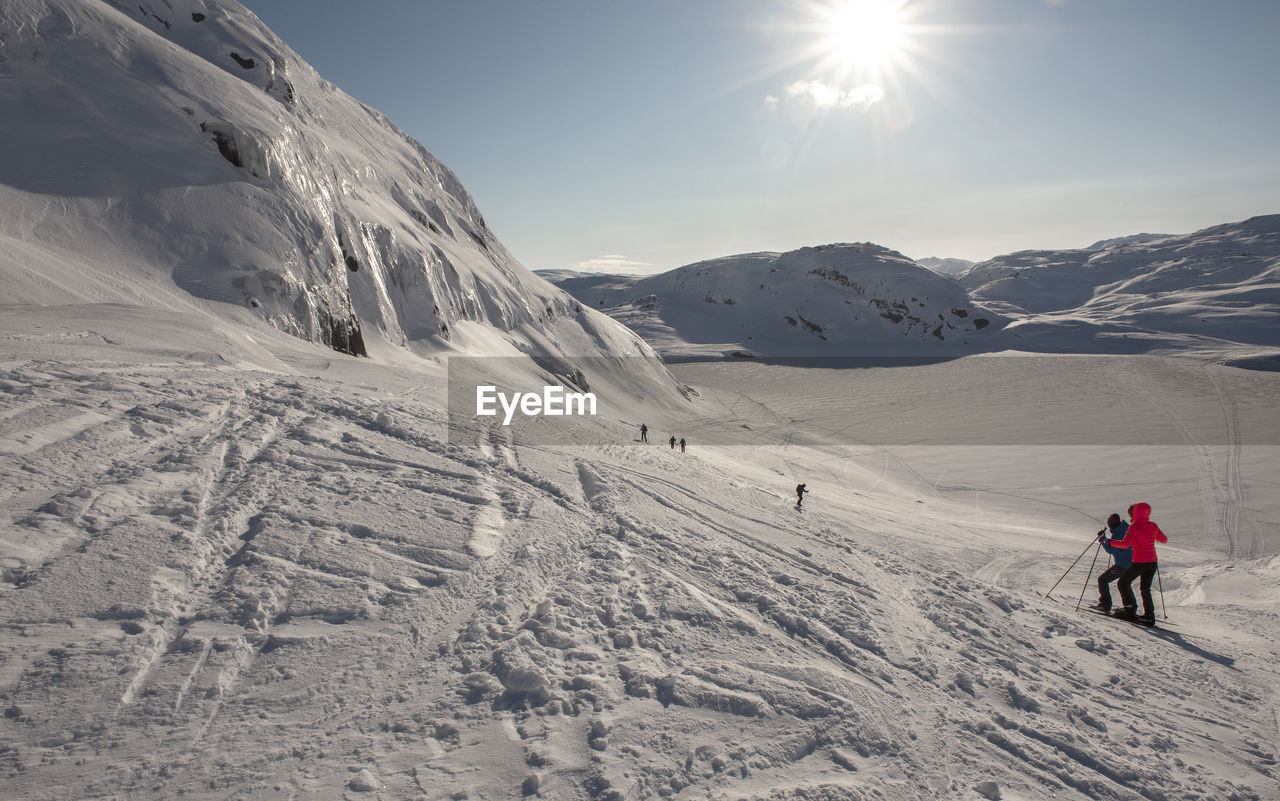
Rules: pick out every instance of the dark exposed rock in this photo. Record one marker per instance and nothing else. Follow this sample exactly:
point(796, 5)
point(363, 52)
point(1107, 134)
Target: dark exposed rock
point(226, 145)
point(247, 63)
point(812, 326)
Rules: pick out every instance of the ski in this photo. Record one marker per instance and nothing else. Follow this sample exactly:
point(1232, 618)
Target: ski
point(1135, 621)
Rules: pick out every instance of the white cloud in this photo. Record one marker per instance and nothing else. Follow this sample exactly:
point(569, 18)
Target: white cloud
point(824, 95)
point(614, 264)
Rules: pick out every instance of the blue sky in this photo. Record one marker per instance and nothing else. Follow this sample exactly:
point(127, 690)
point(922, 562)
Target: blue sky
point(655, 133)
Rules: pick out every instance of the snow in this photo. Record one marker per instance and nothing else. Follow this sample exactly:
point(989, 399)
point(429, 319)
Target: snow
point(1212, 293)
point(259, 569)
point(292, 202)
point(1217, 289)
point(237, 563)
point(951, 267)
point(832, 300)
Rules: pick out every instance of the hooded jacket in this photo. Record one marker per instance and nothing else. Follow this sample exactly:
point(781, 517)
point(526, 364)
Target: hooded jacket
point(1142, 535)
point(1123, 556)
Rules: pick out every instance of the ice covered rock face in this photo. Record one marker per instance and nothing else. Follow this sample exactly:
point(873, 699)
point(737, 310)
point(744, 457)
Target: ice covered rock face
point(185, 137)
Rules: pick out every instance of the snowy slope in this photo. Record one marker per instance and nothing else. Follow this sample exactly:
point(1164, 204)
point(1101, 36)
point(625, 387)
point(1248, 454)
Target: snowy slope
point(597, 290)
point(1214, 292)
point(1208, 289)
point(282, 582)
point(952, 267)
point(834, 300)
point(176, 148)
point(1103, 244)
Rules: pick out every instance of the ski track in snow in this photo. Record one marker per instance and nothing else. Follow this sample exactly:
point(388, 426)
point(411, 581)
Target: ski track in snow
point(1228, 520)
point(244, 585)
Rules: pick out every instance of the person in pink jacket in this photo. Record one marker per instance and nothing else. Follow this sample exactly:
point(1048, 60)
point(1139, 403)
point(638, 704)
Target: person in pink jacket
point(1142, 537)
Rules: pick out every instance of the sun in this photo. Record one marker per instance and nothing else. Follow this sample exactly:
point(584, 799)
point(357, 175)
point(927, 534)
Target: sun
point(864, 35)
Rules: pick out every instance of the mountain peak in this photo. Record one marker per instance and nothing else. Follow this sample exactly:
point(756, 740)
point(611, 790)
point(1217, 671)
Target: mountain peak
point(190, 143)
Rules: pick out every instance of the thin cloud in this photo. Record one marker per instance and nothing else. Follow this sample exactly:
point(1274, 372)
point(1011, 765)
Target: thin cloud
point(823, 95)
point(614, 264)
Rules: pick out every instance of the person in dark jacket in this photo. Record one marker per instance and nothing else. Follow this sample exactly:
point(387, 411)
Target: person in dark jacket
point(1141, 538)
point(673, 442)
point(800, 491)
point(644, 433)
point(1116, 528)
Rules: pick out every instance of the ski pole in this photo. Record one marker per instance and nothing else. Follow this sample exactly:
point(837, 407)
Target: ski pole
point(1073, 564)
point(1160, 583)
point(1080, 600)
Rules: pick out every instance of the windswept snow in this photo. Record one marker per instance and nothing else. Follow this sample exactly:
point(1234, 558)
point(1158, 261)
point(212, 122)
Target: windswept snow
point(224, 580)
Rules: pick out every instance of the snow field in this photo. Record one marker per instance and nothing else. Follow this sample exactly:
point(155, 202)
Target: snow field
point(286, 584)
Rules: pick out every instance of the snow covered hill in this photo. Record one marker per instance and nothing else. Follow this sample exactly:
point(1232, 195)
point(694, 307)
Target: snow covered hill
point(951, 267)
point(1216, 292)
point(1218, 288)
point(834, 300)
point(164, 149)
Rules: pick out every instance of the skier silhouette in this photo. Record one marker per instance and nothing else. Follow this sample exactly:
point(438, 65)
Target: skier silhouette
point(682, 444)
point(644, 433)
point(673, 442)
point(800, 491)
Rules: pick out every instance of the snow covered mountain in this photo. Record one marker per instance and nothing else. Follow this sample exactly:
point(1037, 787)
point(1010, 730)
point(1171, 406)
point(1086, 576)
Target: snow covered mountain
point(1124, 240)
point(952, 267)
point(164, 149)
point(834, 300)
point(1213, 289)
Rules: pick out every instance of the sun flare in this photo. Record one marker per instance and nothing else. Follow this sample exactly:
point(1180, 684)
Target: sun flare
point(865, 35)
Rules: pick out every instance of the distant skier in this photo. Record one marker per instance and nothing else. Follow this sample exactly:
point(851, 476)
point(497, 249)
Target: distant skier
point(644, 433)
point(1141, 537)
point(682, 444)
point(800, 491)
point(673, 442)
point(1123, 556)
